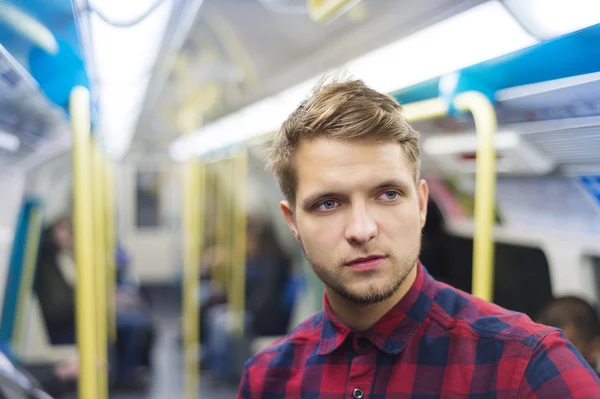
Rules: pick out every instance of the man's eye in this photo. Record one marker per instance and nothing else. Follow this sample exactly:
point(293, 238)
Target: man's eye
point(390, 195)
point(327, 205)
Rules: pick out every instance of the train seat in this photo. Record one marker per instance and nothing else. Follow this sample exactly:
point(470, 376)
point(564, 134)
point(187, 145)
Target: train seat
point(36, 345)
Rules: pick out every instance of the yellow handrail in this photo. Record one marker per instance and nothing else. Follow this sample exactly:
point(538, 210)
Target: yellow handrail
point(321, 10)
point(423, 110)
point(237, 287)
point(111, 268)
point(193, 237)
point(486, 126)
point(485, 179)
point(30, 28)
point(79, 105)
point(212, 219)
point(98, 171)
point(226, 222)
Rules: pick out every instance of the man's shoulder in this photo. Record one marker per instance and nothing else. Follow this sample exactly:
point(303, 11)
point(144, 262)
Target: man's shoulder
point(306, 334)
point(456, 309)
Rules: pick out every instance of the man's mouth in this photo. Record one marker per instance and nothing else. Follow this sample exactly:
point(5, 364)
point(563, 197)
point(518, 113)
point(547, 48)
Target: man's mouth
point(366, 263)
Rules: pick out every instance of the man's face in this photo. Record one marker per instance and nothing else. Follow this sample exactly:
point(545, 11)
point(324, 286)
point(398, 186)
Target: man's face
point(358, 216)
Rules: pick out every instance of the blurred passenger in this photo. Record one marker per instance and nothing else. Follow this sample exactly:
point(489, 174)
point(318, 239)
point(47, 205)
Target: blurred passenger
point(268, 271)
point(122, 262)
point(54, 286)
point(128, 290)
point(212, 293)
point(579, 320)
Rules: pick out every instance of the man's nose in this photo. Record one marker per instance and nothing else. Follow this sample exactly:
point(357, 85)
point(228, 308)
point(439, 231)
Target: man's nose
point(361, 225)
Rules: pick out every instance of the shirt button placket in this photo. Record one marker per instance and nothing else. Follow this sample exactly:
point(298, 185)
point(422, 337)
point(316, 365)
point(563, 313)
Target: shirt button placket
point(362, 367)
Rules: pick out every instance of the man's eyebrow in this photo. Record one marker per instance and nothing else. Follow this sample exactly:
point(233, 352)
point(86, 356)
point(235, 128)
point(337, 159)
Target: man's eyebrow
point(393, 183)
point(308, 202)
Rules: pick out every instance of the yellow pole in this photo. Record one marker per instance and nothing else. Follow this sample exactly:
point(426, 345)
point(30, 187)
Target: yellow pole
point(111, 269)
point(213, 217)
point(321, 10)
point(423, 110)
point(226, 203)
point(84, 242)
point(223, 223)
point(238, 264)
point(486, 126)
point(193, 238)
point(485, 178)
point(100, 267)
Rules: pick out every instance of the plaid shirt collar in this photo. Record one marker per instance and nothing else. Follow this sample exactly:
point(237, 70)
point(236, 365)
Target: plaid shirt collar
point(391, 333)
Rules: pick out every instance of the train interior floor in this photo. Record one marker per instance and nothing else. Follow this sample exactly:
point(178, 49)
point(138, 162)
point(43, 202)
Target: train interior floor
point(166, 379)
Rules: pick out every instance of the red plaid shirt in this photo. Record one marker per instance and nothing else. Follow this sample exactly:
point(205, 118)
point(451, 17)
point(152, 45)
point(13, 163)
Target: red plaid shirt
point(437, 342)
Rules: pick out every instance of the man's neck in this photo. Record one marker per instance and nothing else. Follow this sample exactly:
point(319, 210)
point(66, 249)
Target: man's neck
point(363, 317)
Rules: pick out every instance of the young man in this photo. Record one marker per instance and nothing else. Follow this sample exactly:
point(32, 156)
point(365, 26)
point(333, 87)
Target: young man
point(347, 163)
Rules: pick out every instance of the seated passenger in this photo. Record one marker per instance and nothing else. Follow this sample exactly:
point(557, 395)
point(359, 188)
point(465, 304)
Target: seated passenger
point(54, 286)
point(579, 321)
point(129, 296)
point(268, 270)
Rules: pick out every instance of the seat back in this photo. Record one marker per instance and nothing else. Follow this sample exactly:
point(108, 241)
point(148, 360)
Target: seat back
point(37, 346)
point(21, 273)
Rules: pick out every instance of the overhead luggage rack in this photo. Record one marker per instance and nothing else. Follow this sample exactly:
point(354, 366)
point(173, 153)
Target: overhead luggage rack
point(27, 117)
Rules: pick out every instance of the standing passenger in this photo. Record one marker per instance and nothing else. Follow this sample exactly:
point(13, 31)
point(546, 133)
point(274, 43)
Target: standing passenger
point(347, 162)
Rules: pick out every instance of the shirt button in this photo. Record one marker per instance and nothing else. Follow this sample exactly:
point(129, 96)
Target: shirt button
point(361, 342)
point(358, 393)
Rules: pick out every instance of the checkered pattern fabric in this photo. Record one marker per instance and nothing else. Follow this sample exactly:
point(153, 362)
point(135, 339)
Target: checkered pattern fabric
point(437, 342)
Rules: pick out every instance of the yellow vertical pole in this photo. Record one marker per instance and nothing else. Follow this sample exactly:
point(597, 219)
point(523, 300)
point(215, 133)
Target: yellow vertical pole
point(222, 201)
point(486, 126)
point(100, 267)
point(238, 264)
point(213, 216)
point(111, 268)
point(193, 237)
point(226, 203)
point(321, 10)
point(79, 105)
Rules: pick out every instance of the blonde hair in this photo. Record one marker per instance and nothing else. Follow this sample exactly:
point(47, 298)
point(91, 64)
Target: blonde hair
point(347, 110)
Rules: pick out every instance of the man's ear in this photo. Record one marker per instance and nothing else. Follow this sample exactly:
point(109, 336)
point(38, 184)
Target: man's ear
point(423, 196)
point(288, 214)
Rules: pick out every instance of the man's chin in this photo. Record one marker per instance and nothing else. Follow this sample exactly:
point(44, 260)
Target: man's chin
point(367, 294)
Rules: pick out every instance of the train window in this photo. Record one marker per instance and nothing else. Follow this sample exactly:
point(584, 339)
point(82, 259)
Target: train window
point(148, 199)
point(522, 274)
